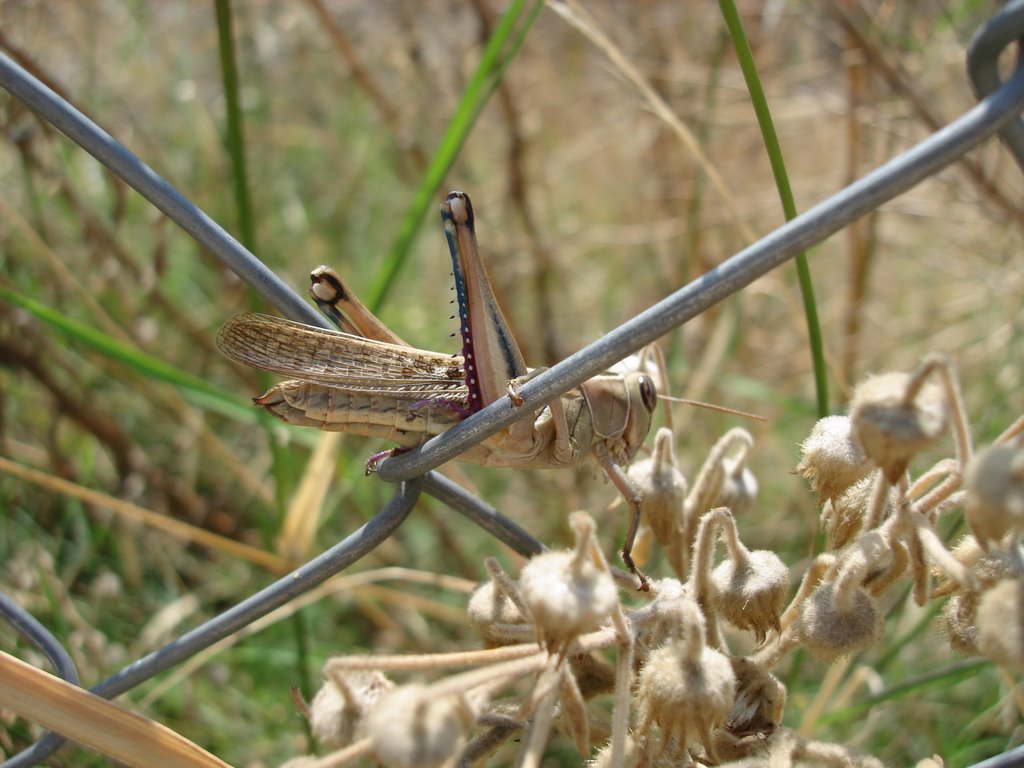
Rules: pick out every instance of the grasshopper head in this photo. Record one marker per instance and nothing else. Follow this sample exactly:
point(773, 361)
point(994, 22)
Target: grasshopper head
point(621, 405)
point(643, 397)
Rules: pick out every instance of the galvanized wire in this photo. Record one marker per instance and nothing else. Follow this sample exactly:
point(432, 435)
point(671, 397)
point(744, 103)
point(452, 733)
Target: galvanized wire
point(991, 39)
point(298, 582)
point(85, 133)
point(29, 627)
point(933, 154)
point(997, 112)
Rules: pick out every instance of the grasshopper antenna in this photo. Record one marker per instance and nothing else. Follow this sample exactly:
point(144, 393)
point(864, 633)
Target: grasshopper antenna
point(712, 407)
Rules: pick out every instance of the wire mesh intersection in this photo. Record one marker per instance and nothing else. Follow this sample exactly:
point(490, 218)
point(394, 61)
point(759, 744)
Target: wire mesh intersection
point(997, 113)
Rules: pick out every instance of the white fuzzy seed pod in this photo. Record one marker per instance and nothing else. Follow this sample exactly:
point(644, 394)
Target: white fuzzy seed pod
point(760, 699)
point(662, 488)
point(843, 517)
point(1001, 624)
point(890, 427)
point(494, 613)
point(337, 712)
point(750, 595)
point(995, 493)
point(636, 755)
point(686, 689)
point(667, 615)
point(830, 627)
point(739, 486)
point(567, 594)
point(961, 610)
point(831, 462)
point(413, 728)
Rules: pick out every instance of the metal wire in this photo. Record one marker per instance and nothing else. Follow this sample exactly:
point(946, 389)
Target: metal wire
point(148, 183)
point(29, 628)
point(998, 111)
point(296, 583)
point(481, 514)
point(1013, 758)
point(988, 42)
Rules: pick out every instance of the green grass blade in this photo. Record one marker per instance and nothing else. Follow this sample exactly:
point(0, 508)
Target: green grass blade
point(940, 678)
point(486, 77)
point(200, 391)
point(234, 139)
point(774, 149)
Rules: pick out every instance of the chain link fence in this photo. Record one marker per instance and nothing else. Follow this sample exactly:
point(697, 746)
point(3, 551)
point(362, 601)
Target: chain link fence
point(997, 114)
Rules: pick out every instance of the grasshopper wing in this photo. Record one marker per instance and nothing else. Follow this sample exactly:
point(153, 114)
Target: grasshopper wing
point(340, 360)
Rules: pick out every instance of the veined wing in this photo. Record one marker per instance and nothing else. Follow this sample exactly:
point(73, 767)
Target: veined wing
point(339, 359)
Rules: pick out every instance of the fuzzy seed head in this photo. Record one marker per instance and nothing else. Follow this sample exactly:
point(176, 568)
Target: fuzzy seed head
point(673, 613)
point(662, 488)
point(636, 755)
point(751, 596)
point(890, 430)
point(739, 486)
point(830, 631)
point(490, 609)
point(995, 493)
point(568, 595)
point(760, 699)
point(961, 610)
point(843, 517)
point(337, 712)
point(1001, 624)
point(412, 728)
point(960, 616)
point(830, 460)
point(686, 692)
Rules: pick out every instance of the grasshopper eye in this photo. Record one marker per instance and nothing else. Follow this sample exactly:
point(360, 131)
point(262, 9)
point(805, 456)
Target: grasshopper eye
point(648, 394)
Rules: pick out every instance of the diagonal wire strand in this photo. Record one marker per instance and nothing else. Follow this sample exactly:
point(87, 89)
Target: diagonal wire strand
point(898, 175)
point(299, 581)
point(995, 113)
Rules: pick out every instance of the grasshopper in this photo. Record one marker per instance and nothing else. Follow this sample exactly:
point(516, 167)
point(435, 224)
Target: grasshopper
point(365, 380)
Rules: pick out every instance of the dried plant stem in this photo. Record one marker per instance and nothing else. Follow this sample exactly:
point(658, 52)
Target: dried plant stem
point(366, 82)
point(299, 527)
point(961, 427)
point(506, 585)
point(878, 502)
point(1013, 685)
point(870, 547)
point(700, 569)
point(925, 501)
point(434, 660)
point(1011, 431)
point(169, 525)
point(708, 485)
point(538, 731)
point(940, 556)
point(95, 722)
point(623, 697)
point(343, 756)
point(818, 568)
point(824, 697)
point(489, 678)
point(578, 17)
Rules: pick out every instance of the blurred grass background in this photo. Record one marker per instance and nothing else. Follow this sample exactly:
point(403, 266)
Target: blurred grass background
point(589, 209)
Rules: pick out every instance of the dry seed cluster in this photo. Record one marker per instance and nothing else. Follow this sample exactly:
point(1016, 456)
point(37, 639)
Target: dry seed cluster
point(679, 696)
